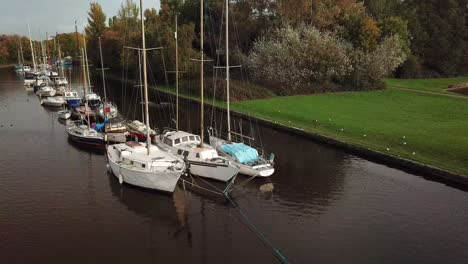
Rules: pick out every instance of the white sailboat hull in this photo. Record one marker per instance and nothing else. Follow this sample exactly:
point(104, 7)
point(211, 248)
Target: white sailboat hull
point(212, 171)
point(46, 93)
point(260, 170)
point(65, 114)
point(161, 181)
point(53, 102)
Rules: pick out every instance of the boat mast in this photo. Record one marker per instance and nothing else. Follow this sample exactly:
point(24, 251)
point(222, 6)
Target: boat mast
point(84, 83)
point(43, 54)
point(141, 86)
point(177, 72)
point(145, 78)
point(86, 61)
point(227, 72)
point(60, 57)
point(201, 75)
point(103, 78)
point(32, 49)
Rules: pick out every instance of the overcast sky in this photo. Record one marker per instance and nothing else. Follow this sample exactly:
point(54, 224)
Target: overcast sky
point(52, 15)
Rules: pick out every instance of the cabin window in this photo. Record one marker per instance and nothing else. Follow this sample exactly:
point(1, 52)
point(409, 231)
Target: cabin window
point(179, 152)
point(198, 155)
point(131, 162)
point(177, 141)
point(143, 165)
point(198, 138)
point(185, 139)
point(167, 141)
point(192, 138)
point(186, 153)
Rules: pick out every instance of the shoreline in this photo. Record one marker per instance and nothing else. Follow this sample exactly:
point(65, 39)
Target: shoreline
point(4, 66)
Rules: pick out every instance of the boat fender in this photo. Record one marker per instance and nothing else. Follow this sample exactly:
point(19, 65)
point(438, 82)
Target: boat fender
point(108, 168)
point(105, 137)
point(120, 179)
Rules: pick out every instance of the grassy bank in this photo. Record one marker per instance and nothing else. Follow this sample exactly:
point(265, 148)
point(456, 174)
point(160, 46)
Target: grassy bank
point(426, 128)
point(430, 85)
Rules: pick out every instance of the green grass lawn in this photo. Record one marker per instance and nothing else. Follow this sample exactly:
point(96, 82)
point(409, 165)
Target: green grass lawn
point(431, 85)
point(435, 128)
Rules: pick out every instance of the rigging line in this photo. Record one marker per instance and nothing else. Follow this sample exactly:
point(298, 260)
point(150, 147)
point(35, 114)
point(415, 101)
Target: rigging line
point(260, 235)
point(245, 79)
point(216, 70)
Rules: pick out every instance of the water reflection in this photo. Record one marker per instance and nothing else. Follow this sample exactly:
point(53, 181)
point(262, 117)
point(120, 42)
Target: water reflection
point(163, 211)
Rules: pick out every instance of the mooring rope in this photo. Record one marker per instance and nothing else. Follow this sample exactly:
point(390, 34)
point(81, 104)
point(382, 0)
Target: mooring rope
point(260, 235)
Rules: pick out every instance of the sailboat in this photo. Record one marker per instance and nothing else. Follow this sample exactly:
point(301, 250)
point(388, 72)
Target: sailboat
point(136, 128)
point(93, 99)
point(84, 134)
point(30, 77)
point(202, 159)
point(60, 80)
point(21, 68)
point(143, 165)
point(244, 156)
point(106, 109)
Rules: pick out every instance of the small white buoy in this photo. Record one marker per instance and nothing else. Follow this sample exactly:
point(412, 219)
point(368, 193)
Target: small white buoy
point(404, 143)
point(388, 149)
point(404, 136)
point(342, 129)
point(120, 179)
point(316, 121)
point(414, 153)
point(365, 135)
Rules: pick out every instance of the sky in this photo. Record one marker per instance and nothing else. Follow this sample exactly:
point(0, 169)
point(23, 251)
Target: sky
point(50, 16)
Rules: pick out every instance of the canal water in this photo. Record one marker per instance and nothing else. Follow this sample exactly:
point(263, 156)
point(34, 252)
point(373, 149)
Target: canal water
point(59, 205)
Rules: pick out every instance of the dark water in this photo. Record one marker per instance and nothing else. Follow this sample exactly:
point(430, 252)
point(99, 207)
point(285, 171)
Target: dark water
point(58, 204)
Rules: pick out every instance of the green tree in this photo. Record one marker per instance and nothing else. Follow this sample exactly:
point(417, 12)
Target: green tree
point(96, 21)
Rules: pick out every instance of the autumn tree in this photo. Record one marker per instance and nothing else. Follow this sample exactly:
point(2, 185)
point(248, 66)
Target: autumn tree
point(96, 21)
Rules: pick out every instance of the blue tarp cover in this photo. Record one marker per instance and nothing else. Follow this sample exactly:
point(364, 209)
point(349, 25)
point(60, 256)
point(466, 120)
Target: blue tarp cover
point(100, 127)
point(243, 153)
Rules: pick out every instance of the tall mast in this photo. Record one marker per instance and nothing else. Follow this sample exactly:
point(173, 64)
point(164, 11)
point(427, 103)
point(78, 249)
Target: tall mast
point(86, 61)
point(21, 54)
point(84, 83)
point(43, 53)
point(227, 72)
point(102, 71)
point(60, 57)
point(32, 49)
point(201, 75)
point(177, 72)
point(141, 86)
point(145, 78)
point(19, 58)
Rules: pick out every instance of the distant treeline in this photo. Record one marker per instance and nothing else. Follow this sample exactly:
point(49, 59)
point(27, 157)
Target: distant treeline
point(293, 46)
point(10, 47)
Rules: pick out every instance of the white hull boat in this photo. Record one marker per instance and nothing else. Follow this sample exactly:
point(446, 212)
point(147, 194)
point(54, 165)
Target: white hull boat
point(64, 114)
point(256, 166)
point(46, 91)
point(202, 161)
point(53, 101)
point(130, 163)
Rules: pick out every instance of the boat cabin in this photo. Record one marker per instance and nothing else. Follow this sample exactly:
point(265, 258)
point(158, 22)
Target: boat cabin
point(187, 145)
point(71, 94)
